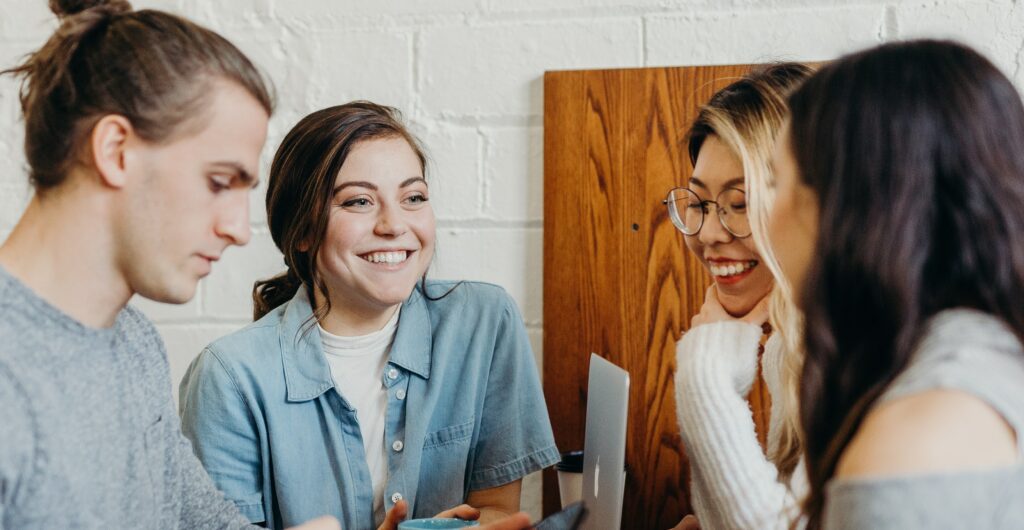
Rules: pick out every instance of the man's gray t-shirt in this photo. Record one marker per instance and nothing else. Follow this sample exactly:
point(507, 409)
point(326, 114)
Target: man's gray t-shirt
point(89, 436)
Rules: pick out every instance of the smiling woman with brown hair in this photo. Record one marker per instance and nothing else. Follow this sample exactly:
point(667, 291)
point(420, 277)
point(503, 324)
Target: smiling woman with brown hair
point(362, 385)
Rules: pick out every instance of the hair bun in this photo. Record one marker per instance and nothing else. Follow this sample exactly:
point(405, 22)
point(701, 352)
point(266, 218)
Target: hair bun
point(67, 8)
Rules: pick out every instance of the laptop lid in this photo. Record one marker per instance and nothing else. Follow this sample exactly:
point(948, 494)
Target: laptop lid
point(604, 450)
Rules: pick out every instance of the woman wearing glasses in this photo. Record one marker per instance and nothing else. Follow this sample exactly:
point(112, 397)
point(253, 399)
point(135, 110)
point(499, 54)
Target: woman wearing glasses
point(734, 484)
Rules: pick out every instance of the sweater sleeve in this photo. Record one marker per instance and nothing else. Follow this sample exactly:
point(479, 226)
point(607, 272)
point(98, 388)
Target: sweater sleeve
point(200, 505)
point(203, 506)
point(18, 449)
point(734, 486)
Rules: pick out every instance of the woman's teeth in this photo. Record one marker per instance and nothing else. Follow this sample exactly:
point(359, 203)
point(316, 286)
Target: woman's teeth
point(733, 268)
point(386, 257)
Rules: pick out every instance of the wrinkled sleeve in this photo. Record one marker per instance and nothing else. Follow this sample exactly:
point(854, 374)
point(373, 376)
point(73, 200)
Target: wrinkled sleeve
point(734, 483)
point(515, 432)
point(216, 419)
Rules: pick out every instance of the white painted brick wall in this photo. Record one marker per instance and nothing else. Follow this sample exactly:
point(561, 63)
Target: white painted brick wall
point(453, 169)
point(763, 34)
point(227, 291)
point(514, 173)
point(494, 69)
point(468, 74)
point(12, 162)
point(510, 257)
point(24, 21)
point(996, 28)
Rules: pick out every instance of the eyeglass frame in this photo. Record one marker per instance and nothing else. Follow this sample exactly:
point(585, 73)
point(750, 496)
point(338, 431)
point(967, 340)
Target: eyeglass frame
point(704, 211)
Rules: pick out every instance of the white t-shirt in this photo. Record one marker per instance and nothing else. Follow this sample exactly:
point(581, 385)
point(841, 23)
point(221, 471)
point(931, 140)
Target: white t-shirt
point(357, 367)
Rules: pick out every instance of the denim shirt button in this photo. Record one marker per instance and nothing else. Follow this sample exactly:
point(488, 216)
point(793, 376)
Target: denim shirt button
point(392, 373)
point(395, 497)
point(400, 394)
point(398, 445)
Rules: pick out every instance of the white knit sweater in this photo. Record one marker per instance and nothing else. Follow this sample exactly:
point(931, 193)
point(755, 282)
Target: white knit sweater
point(734, 485)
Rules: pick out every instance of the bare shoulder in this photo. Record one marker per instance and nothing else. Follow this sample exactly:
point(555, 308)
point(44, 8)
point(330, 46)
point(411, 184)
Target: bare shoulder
point(929, 432)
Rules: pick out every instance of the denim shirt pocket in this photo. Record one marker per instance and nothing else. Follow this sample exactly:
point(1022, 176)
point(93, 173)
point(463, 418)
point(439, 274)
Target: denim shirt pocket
point(445, 457)
point(453, 434)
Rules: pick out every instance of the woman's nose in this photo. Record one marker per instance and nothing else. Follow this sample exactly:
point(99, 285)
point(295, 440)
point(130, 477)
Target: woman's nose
point(390, 222)
point(712, 231)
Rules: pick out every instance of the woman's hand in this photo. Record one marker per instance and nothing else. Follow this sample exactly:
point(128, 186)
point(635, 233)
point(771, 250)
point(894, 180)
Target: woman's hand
point(688, 523)
point(320, 523)
point(712, 311)
point(518, 521)
point(394, 516)
point(462, 511)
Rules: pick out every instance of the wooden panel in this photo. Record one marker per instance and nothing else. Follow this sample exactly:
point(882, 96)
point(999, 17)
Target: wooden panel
point(618, 279)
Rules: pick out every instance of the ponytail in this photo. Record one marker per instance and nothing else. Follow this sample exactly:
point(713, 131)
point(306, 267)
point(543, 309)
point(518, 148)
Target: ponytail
point(271, 293)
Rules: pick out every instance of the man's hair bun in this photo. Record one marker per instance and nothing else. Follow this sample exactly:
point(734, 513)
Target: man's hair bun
point(67, 8)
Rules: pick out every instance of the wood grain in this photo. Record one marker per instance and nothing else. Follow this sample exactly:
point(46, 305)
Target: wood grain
point(618, 279)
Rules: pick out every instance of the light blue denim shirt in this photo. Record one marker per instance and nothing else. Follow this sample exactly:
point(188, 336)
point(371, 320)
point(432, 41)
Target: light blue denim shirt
point(464, 398)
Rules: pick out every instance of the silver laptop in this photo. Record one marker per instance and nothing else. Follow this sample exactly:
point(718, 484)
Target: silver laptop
point(604, 450)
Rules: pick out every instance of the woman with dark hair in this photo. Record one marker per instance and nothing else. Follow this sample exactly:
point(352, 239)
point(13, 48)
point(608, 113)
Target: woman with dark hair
point(362, 385)
point(898, 215)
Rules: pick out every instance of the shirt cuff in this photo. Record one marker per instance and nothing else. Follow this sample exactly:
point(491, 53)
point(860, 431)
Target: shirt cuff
point(501, 474)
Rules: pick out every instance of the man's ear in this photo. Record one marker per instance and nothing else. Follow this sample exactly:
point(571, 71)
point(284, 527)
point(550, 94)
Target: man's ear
point(108, 141)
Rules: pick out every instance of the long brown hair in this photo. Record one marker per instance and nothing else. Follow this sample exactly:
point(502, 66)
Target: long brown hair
point(913, 151)
point(301, 186)
point(149, 66)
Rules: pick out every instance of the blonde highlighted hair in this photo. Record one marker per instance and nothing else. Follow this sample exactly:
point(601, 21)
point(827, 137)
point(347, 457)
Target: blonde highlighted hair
point(747, 116)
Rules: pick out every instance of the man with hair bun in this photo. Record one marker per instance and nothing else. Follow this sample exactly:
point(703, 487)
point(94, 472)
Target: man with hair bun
point(143, 134)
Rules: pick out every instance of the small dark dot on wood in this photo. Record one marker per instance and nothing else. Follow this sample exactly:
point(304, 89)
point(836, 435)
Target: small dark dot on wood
point(636, 227)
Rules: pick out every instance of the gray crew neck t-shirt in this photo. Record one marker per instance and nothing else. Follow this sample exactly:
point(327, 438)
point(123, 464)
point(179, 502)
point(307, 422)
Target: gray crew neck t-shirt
point(962, 350)
point(89, 437)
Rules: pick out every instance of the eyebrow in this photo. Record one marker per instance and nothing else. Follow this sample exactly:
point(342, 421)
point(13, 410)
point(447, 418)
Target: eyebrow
point(728, 184)
point(240, 171)
point(371, 186)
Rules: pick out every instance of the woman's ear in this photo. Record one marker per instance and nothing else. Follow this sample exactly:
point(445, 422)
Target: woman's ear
point(108, 142)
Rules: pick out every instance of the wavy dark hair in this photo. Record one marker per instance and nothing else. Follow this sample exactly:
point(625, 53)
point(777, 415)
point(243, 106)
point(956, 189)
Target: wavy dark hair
point(914, 151)
point(301, 186)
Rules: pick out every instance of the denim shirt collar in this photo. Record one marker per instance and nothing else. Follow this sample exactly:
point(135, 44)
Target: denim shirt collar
point(306, 372)
point(414, 337)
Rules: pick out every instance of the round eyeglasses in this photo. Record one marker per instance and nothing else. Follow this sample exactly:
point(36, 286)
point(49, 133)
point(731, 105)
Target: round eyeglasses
point(687, 211)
